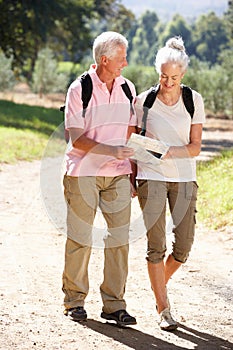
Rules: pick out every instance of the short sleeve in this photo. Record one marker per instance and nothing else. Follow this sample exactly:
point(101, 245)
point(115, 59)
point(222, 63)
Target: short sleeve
point(199, 109)
point(74, 107)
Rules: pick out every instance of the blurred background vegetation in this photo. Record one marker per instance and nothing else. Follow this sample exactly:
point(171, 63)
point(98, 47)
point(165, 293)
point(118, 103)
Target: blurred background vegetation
point(47, 44)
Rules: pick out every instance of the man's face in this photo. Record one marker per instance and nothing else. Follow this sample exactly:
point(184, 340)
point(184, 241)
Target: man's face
point(115, 65)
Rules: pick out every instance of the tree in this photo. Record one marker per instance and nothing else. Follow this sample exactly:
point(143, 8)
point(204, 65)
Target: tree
point(210, 37)
point(116, 17)
point(71, 35)
point(225, 57)
point(45, 76)
point(178, 27)
point(7, 79)
point(213, 83)
point(24, 26)
point(28, 26)
point(229, 21)
point(144, 43)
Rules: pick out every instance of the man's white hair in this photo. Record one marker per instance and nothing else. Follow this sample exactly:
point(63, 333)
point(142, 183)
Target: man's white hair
point(107, 44)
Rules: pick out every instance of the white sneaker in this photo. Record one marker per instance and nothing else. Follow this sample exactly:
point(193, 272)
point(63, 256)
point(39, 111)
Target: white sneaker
point(167, 323)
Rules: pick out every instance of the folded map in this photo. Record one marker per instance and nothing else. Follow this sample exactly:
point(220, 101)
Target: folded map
point(147, 150)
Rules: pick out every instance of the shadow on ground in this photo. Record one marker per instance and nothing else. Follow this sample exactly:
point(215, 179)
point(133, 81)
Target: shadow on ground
point(138, 340)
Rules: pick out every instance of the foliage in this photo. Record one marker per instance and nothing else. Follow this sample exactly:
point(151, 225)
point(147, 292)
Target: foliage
point(211, 85)
point(210, 81)
point(177, 27)
point(72, 70)
point(209, 37)
point(144, 42)
point(215, 179)
point(226, 62)
point(25, 131)
point(114, 16)
point(229, 21)
point(143, 77)
point(62, 25)
point(46, 77)
point(195, 72)
point(7, 78)
point(28, 24)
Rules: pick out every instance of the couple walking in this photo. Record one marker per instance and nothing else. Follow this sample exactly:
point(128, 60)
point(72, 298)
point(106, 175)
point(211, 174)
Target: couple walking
point(100, 173)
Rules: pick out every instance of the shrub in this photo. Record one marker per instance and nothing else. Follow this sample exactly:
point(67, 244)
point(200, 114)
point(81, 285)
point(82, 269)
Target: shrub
point(143, 77)
point(7, 78)
point(46, 77)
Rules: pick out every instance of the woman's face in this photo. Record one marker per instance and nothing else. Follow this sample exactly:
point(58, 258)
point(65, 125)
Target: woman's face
point(170, 76)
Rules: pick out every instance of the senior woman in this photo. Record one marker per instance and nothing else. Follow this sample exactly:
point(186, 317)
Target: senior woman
point(172, 179)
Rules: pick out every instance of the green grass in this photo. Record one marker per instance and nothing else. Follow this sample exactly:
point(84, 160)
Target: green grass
point(215, 200)
point(21, 116)
point(20, 145)
point(25, 132)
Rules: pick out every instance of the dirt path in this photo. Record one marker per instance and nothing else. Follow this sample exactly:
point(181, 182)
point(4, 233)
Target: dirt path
point(32, 251)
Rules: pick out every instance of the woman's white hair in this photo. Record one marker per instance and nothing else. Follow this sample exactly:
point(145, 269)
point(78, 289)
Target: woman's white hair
point(173, 51)
point(107, 44)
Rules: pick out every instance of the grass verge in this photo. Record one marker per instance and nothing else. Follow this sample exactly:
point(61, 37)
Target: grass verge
point(26, 130)
point(215, 200)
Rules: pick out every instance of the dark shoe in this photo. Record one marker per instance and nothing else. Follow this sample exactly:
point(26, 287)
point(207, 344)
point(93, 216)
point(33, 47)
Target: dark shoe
point(76, 313)
point(121, 317)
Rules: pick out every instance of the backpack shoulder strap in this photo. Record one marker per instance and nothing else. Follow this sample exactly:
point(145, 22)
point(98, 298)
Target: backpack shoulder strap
point(148, 103)
point(87, 88)
point(187, 96)
point(128, 93)
point(151, 96)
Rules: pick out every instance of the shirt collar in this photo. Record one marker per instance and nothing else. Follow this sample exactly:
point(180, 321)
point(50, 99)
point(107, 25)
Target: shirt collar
point(92, 71)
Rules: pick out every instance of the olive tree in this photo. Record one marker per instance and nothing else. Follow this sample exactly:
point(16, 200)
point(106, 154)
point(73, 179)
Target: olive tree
point(45, 77)
point(7, 78)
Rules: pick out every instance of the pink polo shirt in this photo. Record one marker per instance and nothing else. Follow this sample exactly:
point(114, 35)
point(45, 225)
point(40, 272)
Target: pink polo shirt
point(106, 121)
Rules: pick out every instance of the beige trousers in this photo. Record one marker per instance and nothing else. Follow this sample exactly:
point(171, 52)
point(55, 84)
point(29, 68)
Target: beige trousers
point(83, 196)
point(181, 197)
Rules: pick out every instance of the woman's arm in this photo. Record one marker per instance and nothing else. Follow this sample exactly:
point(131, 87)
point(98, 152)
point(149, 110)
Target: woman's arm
point(192, 149)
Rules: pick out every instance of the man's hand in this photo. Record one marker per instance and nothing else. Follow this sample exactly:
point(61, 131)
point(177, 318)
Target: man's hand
point(122, 152)
point(133, 190)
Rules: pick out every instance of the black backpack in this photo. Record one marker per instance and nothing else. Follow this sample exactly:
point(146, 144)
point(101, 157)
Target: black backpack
point(87, 88)
point(150, 99)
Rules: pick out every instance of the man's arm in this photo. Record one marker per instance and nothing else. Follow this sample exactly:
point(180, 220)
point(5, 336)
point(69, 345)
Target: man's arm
point(81, 142)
